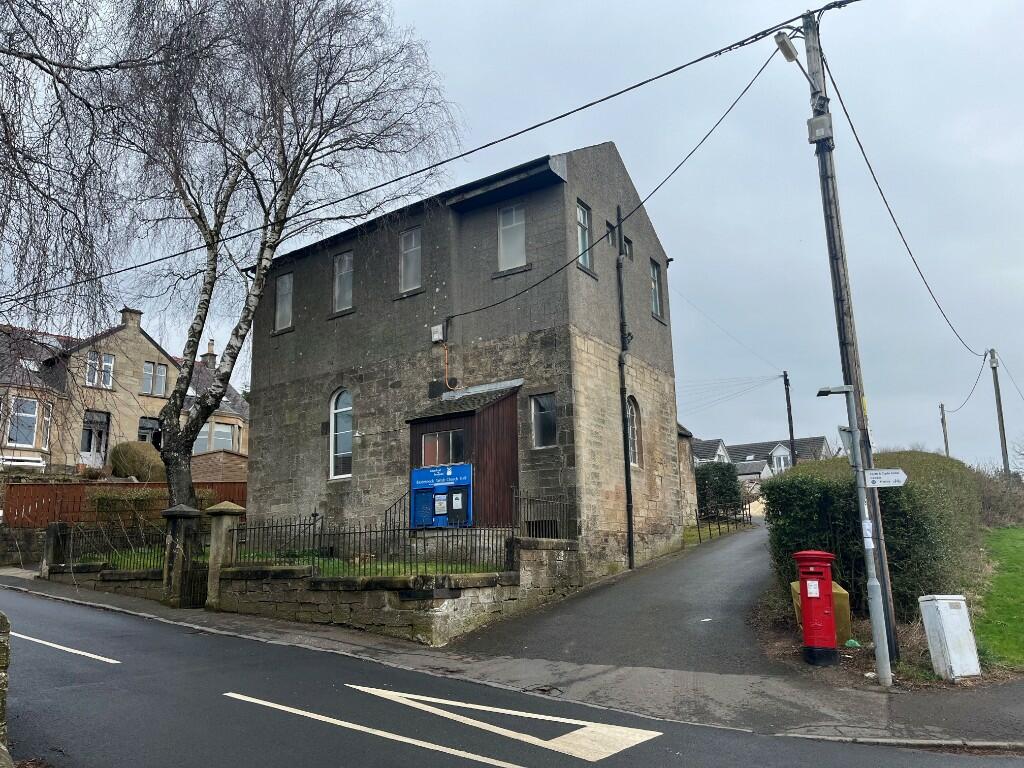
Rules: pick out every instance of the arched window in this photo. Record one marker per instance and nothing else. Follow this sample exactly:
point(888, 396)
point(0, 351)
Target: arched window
point(636, 436)
point(341, 434)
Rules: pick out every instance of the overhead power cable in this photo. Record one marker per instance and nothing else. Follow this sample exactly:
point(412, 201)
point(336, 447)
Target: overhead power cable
point(724, 330)
point(974, 387)
point(640, 205)
point(1012, 380)
point(725, 398)
point(892, 215)
point(749, 40)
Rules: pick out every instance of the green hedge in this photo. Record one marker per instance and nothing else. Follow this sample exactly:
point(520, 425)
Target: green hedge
point(139, 460)
point(931, 525)
point(717, 485)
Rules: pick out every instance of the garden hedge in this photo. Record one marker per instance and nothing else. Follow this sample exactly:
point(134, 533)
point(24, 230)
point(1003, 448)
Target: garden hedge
point(932, 525)
point(717, 485)
point(139, 460)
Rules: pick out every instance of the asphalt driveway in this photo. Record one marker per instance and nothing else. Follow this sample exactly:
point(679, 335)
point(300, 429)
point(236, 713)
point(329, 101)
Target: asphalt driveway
point(686, 613)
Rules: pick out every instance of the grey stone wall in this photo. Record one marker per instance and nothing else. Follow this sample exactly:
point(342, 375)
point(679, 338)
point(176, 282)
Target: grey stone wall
point(687, 480)
point(100, 577)
point(5, 663)
point(431, 610)
point(21, 546)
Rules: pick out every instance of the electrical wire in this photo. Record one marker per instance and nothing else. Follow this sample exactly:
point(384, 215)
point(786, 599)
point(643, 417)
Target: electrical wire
point(720, 327)
point(974, 387)
point(1012, 380)
point(640, 205)
point(892, 215)
point(749, 40)
point(723, 399)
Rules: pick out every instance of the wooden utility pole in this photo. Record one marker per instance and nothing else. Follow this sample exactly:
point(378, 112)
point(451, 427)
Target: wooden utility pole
point(820, 134)
point(789, 415)
point(945, 430)
point(625, 337)
point(993, 361)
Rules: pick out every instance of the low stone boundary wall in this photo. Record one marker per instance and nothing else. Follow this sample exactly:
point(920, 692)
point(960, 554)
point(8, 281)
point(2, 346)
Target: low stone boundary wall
point(427, 609)
point(102, 578)
point(21, 546)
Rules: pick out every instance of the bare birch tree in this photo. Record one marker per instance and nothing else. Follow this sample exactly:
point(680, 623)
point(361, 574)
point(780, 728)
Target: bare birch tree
point(303, 103)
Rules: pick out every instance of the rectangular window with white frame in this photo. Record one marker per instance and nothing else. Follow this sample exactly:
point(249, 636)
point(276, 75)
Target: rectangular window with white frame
point(410, 261)
point(283, 302)
point(160, 382)
point(92, 369)
point(342, 281)
point(108, 372)
point(545, 427)
point(47, 422)
point(223, 437)
point(657, 307)
point(202, 443)
point(147, 377)
point(511, 237)
point(21, 430)
point(583, 236)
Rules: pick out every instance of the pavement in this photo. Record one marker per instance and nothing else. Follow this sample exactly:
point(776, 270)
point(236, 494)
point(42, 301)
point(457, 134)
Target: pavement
point(669, 641)
point(98, 688)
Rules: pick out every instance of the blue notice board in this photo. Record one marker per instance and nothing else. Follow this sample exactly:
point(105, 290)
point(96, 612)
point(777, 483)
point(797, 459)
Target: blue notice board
point(441, 496)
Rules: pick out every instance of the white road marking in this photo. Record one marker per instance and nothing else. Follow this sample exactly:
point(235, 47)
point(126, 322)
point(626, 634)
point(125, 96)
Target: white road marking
point(65, 648)
point(591, 741)
point(703, 620)
point(375, 731)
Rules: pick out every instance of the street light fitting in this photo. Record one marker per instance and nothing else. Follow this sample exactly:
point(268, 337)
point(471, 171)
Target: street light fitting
point(786, 46)
point(826, 391)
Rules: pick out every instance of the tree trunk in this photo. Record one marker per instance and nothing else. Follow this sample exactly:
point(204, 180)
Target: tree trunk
point(179, 476)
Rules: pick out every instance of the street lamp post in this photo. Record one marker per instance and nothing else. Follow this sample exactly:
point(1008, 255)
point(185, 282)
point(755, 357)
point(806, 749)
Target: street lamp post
point(876, 605)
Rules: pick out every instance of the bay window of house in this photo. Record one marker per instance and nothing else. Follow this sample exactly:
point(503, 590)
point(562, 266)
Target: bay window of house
point(47, 422)
point(544, 422)
point(511, 237)
point(447, 447)
point(409, 261)
point(21, 430)
point(341, 435)
point(202, 443)
point(283, 302)
point(656, 296)
point(343, 281)
point(223, 437)
point(583, 236)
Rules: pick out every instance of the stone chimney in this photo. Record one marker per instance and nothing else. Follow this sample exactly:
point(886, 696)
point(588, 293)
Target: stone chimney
point(210, 358)
point(131, 318)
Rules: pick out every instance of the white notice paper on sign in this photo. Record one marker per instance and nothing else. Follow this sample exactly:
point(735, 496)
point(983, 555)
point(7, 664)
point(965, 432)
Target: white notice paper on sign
point(457, 501)
point(812, 589)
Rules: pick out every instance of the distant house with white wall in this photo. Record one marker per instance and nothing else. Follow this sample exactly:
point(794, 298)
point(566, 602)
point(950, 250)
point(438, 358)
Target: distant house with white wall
point(776, 454)
point(705, 451)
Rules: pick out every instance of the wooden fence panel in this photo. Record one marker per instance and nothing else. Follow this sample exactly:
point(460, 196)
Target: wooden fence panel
point(35, 505)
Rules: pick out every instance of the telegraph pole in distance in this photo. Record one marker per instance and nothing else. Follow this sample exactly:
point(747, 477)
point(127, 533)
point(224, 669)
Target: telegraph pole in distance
point(999, 410)
point(789, 415)
point(820, 134)
point(945, 431)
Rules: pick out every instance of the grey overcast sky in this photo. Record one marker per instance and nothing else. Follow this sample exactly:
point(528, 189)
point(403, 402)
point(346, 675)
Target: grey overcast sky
point(932, 87)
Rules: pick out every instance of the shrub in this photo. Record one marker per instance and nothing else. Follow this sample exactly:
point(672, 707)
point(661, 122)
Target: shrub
point(931, 525)
point(130, 500)
point(1002, 498)
point(717, 485)
point(139, 460)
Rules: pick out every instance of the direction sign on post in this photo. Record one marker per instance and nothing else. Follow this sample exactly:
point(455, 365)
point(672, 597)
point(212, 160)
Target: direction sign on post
point(884, 478)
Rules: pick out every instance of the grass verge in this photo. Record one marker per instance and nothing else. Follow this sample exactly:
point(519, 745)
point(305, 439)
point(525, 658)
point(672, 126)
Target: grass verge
point(1000, 627)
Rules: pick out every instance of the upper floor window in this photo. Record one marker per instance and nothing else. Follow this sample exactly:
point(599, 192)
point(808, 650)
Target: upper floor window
point(635, 433)
point(341, 434)
point(99, 370)
point(627, 247)
point(613, 239)
point(47, 421)
point(780, 462)
point(154, 378)
point(21, 430)
point(283, 302)
point(409, 260)
point(511, 237)
point(583, 235)
point(343, 281)
point(545, 431)
point(657, 308)
point(446, 447)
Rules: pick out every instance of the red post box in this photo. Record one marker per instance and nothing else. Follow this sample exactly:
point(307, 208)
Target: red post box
point(814, 569)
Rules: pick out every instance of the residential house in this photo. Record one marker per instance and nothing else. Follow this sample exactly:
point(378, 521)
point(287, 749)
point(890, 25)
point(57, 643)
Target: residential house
point(753, 473)
point(777, 455)
point(66, 401)
point(479, 325)
point(710, 450)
